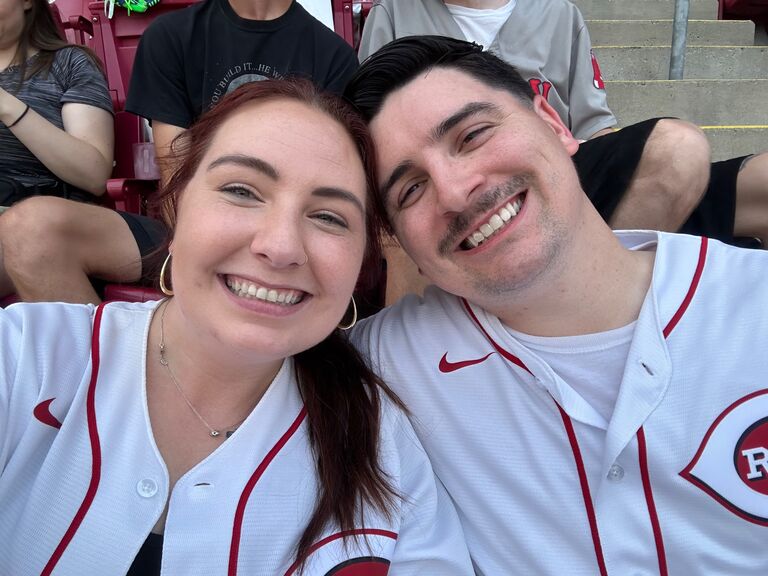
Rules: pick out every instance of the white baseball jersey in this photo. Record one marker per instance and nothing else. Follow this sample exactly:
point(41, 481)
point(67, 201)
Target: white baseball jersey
point(675, 483)
point(82, 482)
point(546, 40)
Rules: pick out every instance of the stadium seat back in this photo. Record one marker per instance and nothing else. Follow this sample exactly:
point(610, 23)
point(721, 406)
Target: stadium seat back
point(756, 10)
point(344, 19)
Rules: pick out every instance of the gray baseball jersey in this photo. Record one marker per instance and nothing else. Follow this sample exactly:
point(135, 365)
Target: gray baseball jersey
point(547, 40)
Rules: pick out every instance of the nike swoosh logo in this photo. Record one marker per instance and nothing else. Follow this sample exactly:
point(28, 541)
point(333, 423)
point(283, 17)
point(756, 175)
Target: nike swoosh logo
point(43, 413)
point(445, 366)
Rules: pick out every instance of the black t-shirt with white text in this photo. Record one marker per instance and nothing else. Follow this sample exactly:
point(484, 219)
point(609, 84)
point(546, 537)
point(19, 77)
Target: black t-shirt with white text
point(189, 59)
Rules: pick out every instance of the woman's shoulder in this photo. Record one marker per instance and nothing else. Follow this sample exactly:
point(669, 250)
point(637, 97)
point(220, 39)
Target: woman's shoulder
point(75, 62)
point(45, 316)
point(71, 55)
point(51, 320)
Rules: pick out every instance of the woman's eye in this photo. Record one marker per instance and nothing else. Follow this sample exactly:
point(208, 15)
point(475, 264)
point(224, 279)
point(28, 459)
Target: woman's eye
point(239, 191)
point(331, 219)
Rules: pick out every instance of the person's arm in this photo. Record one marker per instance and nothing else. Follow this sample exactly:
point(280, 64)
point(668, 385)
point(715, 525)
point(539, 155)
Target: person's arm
point(588, 108)
point(377, 31)
point(158, 88)
point(163, 135)
point(430, 539)
point(80, 154)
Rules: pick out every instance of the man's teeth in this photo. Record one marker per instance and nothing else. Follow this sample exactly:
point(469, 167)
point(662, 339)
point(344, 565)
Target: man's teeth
point(496, 223)
point(250, 290)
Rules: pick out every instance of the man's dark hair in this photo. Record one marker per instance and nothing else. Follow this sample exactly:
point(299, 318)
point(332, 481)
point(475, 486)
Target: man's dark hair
point(400, 61)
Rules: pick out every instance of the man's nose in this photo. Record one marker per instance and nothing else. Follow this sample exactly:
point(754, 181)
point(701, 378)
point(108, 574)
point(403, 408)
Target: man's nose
point(456, 183)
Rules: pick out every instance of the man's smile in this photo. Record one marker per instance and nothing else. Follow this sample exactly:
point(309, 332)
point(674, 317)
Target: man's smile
point(496, 222)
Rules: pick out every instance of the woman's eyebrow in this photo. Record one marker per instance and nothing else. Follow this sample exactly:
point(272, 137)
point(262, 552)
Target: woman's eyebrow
point(341, 194)
point(248, 162)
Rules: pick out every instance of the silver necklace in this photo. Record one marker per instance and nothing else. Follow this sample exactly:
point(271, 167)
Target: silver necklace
point(213, 432)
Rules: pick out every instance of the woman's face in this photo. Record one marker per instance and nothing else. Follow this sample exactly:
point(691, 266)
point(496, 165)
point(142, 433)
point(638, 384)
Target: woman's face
point(12, 22)
point(270, 232)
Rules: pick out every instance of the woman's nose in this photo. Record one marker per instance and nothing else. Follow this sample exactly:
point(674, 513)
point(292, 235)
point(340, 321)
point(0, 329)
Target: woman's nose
point(279, 240)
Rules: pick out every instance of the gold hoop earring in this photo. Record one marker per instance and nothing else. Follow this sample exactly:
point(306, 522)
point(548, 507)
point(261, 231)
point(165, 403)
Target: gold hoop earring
point(354, 317)
point(163, 286)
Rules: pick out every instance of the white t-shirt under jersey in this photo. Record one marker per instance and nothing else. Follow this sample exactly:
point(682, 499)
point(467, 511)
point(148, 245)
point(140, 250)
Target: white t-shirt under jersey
point(480, 25)
point(592, 364)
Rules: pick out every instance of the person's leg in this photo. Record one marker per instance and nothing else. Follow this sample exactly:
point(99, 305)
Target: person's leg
point(6, 284)
point(669, 181)
point(51, 246)
point(752, 198)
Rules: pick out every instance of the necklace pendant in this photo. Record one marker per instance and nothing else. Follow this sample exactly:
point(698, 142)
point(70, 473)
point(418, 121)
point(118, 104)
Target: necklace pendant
point(215, 433)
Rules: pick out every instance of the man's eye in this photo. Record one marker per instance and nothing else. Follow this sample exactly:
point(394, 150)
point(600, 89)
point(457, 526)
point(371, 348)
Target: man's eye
point(473, 136)
point(410, 195)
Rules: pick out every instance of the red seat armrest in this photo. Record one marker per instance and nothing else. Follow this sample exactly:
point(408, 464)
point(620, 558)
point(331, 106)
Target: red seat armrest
point(129, 194)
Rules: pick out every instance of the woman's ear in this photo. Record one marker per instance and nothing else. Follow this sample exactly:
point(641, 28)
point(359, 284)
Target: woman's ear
point(550, 117)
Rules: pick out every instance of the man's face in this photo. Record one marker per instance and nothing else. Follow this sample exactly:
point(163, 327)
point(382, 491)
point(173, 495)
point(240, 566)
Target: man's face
point(480, 189)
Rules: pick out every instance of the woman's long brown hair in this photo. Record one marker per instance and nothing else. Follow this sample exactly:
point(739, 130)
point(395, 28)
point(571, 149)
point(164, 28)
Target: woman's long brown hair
point(341, 394)
point(41, 32)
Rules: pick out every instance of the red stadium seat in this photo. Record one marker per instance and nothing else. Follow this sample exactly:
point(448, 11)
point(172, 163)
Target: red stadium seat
point(74, 17)
point(344, 19)
point(756, 10)
point(115, 41)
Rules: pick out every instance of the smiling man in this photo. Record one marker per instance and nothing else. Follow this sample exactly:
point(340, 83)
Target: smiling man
point(592, 401)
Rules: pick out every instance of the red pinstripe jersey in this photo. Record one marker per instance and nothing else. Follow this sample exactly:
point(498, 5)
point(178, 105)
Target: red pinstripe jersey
point(82, 483)
point(675, 483)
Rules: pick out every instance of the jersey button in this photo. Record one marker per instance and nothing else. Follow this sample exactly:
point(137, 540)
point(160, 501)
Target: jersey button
point(615, 473)
point(146, 488)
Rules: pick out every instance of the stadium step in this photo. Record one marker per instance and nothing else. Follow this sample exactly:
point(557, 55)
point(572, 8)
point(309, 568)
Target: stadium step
point(701, 62)
point(732, 141)
point(643, 9)
point(659, 32)
point(705, 102)
point(726, 69)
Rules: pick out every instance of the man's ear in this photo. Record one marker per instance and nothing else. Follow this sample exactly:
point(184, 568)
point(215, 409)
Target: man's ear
point(550, 117)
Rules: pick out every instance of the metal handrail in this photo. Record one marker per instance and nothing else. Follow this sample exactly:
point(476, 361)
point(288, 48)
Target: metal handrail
point(679, 35)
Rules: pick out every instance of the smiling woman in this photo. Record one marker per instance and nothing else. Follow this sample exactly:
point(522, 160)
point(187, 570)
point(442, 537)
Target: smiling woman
point(231, 427)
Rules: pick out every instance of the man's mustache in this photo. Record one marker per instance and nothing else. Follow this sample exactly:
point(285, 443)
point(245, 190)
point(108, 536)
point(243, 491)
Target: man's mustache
point(459, 226)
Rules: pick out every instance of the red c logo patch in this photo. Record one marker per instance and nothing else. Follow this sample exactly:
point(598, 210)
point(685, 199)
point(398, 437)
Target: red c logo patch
point(370, 566)
point(751, 457)
point(597, 76)
point(731, 464)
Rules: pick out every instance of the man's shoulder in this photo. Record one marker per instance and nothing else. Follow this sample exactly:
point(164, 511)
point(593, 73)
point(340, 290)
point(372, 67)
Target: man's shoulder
point(411, 316)
point(713, 273)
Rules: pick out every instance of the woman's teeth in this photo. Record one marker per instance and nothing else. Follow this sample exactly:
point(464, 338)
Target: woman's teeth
point(246, 289)
point(498, 221)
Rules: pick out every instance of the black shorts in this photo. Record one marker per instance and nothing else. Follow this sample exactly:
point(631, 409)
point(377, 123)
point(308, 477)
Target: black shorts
point(152, 239)
point(716, 213)
point(606, 166)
